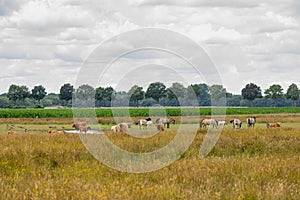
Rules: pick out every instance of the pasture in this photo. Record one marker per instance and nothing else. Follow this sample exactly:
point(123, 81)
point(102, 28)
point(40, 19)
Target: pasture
point(247, 163)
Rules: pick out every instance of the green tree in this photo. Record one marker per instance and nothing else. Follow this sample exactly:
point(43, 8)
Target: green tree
point(274, 92)
point(251, 92)
point(85, 92)
point(177, 91)
point(293, 93)
point(13, 93)
point(99, 96)
point(66, 93)
point(38, 93)
point(136, 94)
point(16, 93)
point(109, 93)
point(84, 96)
point(156, 91)
point(193, 95)
point(218, 95)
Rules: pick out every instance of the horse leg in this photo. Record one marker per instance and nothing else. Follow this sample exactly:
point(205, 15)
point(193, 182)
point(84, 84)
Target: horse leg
point(168, 125)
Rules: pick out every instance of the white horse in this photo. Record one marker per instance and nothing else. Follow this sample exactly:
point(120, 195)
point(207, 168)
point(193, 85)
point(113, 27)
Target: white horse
point(144, 122)
point(222, 123)
point(251, 121)
point(208, 122)
point(236, 123)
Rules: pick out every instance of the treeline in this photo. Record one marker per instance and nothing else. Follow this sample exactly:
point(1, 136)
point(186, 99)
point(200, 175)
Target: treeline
point(157, 94)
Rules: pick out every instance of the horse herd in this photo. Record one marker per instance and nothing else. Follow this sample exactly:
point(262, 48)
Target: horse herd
point(236, 123)
point(161, 123)
point(145, 123)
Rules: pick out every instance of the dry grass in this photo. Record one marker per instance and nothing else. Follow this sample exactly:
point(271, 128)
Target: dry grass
point(255, 163)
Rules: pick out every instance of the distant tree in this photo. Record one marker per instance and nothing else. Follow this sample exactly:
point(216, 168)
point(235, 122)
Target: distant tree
point(120, 99)
point(234, 100)
point(51, 99)
point(193, 95)
point(251, 92)
point(274, 92)
point(156, 91)
point(109, 93)
point(205, 97)
point(16, 93)
point(136, 94)
point(66, 93)
point(218, 95)
point(13, 93)
point(99, 96)
point(38, 93)
point(293, 93)
point(4, 102)
point(84, 96)
point(85, 91)
point(177, 91)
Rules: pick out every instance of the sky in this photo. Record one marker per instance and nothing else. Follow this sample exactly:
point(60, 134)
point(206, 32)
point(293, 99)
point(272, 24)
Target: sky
point(53, 42)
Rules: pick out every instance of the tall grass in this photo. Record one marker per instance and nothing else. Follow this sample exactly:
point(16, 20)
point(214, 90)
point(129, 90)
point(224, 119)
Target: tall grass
point(245, 164)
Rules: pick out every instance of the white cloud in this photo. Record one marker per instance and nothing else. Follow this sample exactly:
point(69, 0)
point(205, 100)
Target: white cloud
point(245, 39)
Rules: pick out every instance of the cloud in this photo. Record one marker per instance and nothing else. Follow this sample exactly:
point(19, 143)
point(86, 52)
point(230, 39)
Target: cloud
point(245, 39)
point(196, 3)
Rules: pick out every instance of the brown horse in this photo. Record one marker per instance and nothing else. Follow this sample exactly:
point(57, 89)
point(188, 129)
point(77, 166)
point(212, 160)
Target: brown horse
point(273, 125)
point(165, 121)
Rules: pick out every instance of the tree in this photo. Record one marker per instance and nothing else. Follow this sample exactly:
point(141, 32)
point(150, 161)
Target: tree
point(193, 95)
point(204, 97)
point(156, 91)
point(177, 92)
point(293, 93)
point(85, 92)
point(109, 93)
point(251, 92)
point(274, 92)
point(38, 93)
point(136, 94)
point(218, 95)
point(13, 93)
point(99, 96)
point(66, 92)
point(85, 96)
point(16, 93)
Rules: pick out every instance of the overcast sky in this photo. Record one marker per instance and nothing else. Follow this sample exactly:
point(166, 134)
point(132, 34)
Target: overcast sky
point(46, 41)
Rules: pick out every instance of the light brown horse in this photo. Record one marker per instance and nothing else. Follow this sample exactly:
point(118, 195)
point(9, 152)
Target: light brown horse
point(165, 121)
point(209, 122)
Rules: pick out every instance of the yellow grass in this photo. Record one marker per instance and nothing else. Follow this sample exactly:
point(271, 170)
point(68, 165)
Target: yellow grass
point(257, 163)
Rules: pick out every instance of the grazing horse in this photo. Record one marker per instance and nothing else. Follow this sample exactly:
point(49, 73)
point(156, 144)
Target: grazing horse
point(208, 122)
point(273, 125)
point(144, 122)
point(10, 132)
point(81, 126)
point(222, 123)
point(115, 129)
point(251, 121)
point(78, 125)
point(160, 127)
point(123, 127)
point(165, 121)
point(236, 123)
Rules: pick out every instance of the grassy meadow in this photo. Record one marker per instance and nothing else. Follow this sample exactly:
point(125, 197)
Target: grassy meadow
point(248, 163)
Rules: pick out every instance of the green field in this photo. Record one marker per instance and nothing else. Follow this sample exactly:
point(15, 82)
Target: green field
point(248, 163)
point(140, 112)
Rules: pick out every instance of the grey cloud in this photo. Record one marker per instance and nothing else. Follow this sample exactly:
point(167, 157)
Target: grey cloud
point(201, 3)
point(8, 6)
